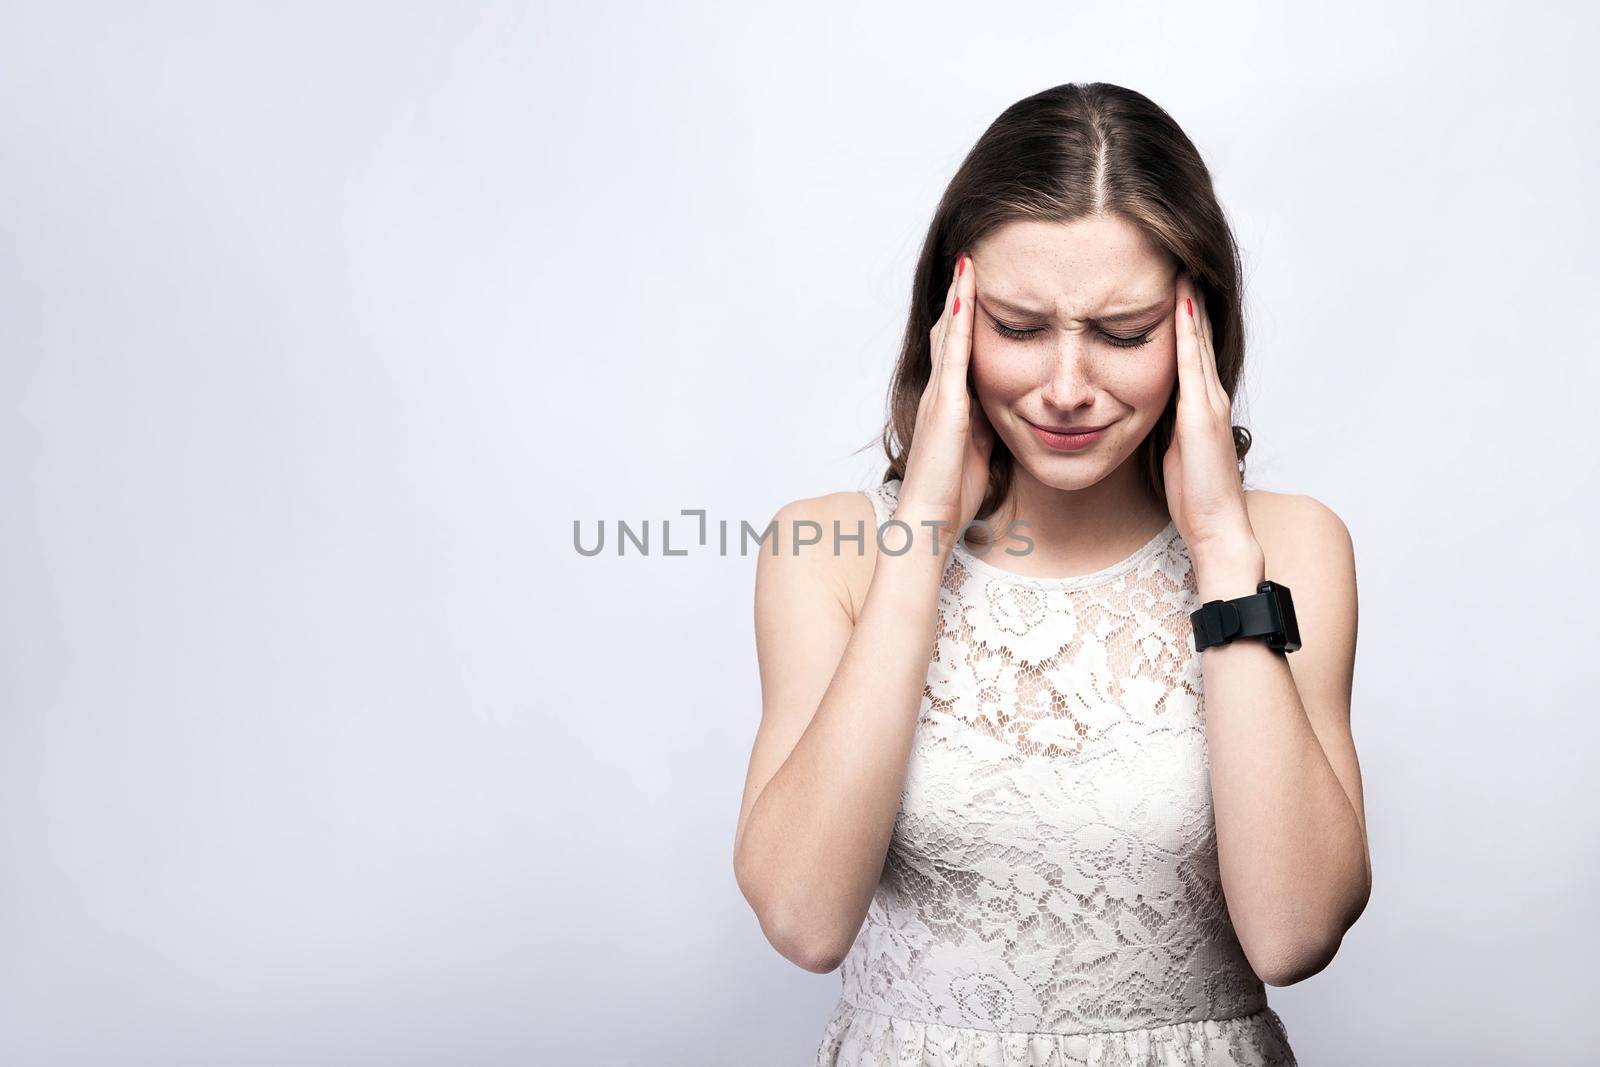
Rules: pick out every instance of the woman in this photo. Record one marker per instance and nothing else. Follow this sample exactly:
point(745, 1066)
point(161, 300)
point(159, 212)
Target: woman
point(994, 779)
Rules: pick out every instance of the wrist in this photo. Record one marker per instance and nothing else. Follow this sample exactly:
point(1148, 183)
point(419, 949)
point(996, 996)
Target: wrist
point(919, 535)
point(1223, 573)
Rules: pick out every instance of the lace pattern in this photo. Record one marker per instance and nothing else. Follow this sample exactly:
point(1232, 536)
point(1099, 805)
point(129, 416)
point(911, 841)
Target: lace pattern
point(1051, 892)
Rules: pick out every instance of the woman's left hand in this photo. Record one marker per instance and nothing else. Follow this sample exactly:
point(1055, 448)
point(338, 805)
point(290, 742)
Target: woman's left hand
point(1205, 493)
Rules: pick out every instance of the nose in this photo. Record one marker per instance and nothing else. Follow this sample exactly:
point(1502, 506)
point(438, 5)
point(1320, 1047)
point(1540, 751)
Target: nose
point(1068, 385)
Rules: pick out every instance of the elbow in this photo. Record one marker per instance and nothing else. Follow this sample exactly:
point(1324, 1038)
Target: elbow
point(1285, 965)
point(794, 932)
point(817, 961)
point(1293, 960)
point(787, 930)
point(798, 943)
point(1286, 970)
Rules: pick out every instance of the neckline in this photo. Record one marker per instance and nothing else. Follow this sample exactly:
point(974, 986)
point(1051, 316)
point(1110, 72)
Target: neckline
point(978, 565)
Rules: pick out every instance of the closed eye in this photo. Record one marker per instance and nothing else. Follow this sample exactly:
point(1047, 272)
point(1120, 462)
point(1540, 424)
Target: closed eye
point(1117, 340)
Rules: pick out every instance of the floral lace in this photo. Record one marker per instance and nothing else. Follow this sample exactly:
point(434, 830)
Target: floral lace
point(1051, 892)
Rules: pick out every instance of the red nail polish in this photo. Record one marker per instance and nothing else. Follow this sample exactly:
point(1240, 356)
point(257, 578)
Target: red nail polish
point(961, 268)
point(1189, 307)
point(957, 311)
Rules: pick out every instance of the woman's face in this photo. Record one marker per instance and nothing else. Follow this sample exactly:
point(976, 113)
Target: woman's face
point(1085, 294)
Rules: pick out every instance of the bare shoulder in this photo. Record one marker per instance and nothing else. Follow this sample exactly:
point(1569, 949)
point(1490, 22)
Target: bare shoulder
point(1296, 530)
point(830, 539)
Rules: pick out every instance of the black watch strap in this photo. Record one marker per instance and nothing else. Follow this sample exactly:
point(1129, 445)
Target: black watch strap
point(1267, 613)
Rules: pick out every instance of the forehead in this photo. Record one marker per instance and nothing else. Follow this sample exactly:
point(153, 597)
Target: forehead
point(1087, 263)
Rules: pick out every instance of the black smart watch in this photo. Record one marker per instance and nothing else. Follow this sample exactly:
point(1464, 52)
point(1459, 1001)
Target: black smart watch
point(1267, 613)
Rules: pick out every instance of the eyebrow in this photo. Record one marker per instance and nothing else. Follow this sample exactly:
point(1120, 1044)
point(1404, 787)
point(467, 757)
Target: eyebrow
point(1121, 318)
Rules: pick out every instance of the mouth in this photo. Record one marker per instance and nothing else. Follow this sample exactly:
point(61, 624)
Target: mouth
point(1068, 438)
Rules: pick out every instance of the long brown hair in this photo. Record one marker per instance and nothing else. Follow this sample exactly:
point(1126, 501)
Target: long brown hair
point(1059, 155)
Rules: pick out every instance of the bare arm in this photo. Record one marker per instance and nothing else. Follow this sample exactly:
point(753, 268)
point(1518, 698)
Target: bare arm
point(1285, 779)
point(840, 689)
point(839, 708)
point(1285, 782)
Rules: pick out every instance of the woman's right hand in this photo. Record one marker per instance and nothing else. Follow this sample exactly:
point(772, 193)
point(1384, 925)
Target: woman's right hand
point(947, 468)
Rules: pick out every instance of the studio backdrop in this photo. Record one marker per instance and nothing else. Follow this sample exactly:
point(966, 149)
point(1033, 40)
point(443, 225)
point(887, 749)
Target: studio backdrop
point(332, 333)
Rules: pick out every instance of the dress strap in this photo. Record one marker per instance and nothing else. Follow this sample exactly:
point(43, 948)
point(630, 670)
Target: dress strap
point(885, 498)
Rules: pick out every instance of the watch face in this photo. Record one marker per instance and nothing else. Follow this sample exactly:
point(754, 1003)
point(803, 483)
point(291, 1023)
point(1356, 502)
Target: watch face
point(1291, 628)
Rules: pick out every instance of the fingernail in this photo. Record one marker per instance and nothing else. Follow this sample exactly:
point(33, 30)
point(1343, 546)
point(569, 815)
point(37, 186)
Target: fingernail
point(1188, 307)
point(961, 268)
point(957, 311)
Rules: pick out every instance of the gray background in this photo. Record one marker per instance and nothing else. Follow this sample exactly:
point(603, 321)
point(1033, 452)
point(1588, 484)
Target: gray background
point(321, 324)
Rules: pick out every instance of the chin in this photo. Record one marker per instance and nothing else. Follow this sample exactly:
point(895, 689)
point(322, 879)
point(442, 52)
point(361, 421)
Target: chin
point(1065, 472)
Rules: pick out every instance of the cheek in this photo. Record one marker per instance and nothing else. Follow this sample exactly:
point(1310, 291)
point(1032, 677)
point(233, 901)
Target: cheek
point(1146, 380)
point(998, 374)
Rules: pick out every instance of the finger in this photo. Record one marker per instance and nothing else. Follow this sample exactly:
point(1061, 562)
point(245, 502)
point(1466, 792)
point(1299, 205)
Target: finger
point(983, 435)
point(1211, 347)
point(1208, 350)
point(940, 328)
point(957, 348)
point(1191, 375)
point(1213, 391)
point(951, 299)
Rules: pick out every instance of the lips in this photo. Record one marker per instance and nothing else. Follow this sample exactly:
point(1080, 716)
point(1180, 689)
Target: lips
point(1072, 429)
point(1069, 440)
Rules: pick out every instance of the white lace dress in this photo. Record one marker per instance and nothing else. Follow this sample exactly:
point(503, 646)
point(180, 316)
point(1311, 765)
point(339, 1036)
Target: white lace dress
point(1051, 892)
